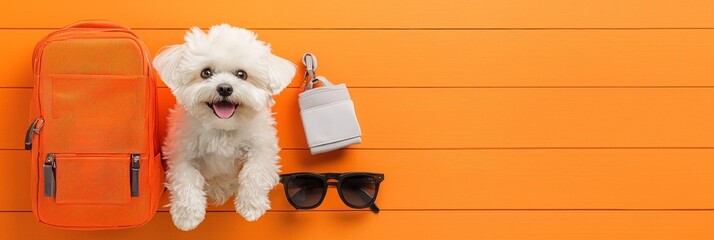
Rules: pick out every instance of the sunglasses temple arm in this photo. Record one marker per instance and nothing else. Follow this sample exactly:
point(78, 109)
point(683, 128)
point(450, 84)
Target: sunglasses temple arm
point(374, 208)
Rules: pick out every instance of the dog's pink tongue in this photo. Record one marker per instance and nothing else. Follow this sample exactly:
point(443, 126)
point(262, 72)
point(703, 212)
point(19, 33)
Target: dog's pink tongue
point(224, 110)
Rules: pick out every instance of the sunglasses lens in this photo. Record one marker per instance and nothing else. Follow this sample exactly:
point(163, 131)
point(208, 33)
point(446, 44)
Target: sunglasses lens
point(359, 190)
point(305, 191)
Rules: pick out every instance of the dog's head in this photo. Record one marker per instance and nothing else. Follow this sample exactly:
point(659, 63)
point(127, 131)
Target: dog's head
point(223, 77)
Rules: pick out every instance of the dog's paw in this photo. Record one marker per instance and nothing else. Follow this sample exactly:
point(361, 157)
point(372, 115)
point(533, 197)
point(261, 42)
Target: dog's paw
point(187, 218)
point(252, 213)
point(252, 209)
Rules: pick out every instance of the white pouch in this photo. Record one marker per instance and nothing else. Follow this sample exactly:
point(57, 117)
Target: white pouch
point(328, 114)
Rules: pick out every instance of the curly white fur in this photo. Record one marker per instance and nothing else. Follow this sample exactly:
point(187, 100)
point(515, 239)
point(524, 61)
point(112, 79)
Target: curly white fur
point(213, 158)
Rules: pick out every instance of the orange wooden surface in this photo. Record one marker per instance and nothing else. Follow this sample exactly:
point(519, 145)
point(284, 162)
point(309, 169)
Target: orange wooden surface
point(490, 119)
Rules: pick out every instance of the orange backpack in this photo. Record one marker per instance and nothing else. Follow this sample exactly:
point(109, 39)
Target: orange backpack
point(95, 156)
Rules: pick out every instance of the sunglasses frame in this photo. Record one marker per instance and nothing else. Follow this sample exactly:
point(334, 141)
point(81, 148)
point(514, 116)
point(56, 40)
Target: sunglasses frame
point(378, 177)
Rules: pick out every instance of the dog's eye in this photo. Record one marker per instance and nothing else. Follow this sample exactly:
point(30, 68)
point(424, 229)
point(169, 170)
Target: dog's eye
point(206, 73)
point(241, 74)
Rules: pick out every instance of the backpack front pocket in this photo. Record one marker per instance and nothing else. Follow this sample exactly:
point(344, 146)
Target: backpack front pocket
point(90, 179)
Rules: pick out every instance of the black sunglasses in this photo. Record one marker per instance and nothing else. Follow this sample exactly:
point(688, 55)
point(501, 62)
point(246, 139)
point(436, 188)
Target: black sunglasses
point(356, 189)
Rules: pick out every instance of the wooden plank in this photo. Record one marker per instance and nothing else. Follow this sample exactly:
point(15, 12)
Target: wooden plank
point(367, 14)
point(510, 58)
point(15, 181)
point(516, 118)
point(393, 225)
point(482, 179)
point(15, 117)
point(416, 118)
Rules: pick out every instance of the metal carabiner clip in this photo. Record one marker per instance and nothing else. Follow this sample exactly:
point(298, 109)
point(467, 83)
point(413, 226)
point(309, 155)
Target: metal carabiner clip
point(310, 62)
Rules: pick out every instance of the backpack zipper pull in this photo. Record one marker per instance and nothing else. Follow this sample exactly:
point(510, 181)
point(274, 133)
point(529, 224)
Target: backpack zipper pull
point(135, 165)
point(34, 128)
point(49, 167)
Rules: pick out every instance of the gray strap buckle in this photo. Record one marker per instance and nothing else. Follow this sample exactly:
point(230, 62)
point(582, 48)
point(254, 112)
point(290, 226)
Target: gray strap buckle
point(322, 79)
point(310, 62)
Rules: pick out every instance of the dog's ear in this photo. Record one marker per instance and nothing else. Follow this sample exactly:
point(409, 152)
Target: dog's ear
point(280, 73)
point(166, 62)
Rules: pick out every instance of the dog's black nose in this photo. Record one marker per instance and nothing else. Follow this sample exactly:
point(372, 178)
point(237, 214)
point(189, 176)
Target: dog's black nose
point(224, 90)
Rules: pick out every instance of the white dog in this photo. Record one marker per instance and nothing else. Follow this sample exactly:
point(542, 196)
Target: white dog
point(221, 138)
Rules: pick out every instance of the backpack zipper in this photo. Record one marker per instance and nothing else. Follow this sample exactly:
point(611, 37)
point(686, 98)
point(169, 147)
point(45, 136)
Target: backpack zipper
point(49, 166)
point(33, 129)
point(135, 165)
